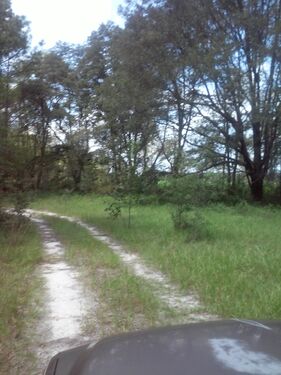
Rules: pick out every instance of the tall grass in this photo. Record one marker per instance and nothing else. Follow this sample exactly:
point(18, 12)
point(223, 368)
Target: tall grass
point(235, 269)
point(126, 301)
point(20, 252)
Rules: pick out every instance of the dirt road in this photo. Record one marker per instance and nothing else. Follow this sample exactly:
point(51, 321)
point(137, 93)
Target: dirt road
point(67, 303)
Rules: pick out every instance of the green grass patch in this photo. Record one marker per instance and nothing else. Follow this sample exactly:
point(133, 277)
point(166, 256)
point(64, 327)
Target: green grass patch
point(235, 269)
point(20, 252)
point(127, 302)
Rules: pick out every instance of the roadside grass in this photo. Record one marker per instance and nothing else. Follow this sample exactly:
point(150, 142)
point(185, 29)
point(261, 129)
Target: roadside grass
point(126, 301)
point(20, 252)
point(235, 269)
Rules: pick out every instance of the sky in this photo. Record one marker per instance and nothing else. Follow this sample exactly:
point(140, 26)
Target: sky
point(70, 21)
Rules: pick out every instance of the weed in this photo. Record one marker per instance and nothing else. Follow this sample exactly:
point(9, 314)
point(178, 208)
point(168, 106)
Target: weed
point(127, 302)
point(21, 202)
point(113, 210)
point(121, 201)
point(191, 221)
point(235, 269)
point(20, 252)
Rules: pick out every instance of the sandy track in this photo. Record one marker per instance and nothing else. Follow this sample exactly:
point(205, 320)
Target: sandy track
point(66, 304)
point(162, 288)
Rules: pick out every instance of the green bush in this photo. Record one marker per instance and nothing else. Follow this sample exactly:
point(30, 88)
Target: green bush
point(146, 200)
point(200, 190)
point(21, 201)
point(187, 218)
point(183, 190)
point(114, 209)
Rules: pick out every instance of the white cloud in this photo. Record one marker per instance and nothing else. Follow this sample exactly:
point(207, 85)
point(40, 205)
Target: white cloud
point(66, 20)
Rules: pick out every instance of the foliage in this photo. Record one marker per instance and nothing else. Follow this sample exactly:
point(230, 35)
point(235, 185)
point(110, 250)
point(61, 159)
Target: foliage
point(132, 301)
point(14, 33)
point(187, 193)
point(188, 190)
point(121, 201)
point(13, 41)
point(235, 269)
point(241, 85)
point(190, 220)
point(21, 201)
point(185, 87)
point(201, 190)
point(20, 253)
point(114, 209)
point(145, 199)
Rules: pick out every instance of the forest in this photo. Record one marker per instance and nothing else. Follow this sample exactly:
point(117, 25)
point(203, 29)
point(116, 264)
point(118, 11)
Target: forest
point(140, 175)
point(187, 93)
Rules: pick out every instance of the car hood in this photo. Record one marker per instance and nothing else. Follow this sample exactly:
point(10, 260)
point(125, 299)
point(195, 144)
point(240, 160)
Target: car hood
point(213, 348)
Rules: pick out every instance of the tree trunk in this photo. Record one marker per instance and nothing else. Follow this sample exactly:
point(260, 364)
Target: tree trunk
point(256, 186)
point(76, 177)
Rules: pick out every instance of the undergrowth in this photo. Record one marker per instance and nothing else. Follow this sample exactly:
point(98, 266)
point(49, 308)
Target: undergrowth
point(20, 252)
point(126, 301)
point(235, 268)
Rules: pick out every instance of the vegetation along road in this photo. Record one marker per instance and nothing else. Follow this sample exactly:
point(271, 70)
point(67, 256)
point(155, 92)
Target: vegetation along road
point(66, 306)
point(159, 275)
point(152, 274)
point(144, 168)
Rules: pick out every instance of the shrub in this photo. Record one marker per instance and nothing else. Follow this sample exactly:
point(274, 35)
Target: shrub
point(190, 189)
point(145, 200)
point(121, 201)
point(200, 190)
point(21, 202)
point(114, 209)
point(187, 218)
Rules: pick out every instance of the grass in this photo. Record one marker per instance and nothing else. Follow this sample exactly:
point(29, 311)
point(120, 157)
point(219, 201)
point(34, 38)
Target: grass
point(20, 252)
point(127, 302)
point(235, 269)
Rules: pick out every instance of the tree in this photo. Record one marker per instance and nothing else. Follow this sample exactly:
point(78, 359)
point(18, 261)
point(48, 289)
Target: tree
point(74, 129)
point(13, 41)
point(240, 72)
point(215, 59)
point(158, 37)
point(42, 100)
point(122, 102)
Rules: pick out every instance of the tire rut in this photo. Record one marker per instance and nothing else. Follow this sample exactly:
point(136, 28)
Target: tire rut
point(187, 304)
point(66, 303)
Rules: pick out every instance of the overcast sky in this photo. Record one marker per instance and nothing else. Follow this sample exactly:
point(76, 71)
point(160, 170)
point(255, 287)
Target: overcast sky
point(70, 21)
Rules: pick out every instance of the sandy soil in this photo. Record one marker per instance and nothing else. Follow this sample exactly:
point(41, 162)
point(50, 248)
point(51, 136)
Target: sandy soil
point(65, 308)
point(162, 287)
point(67, 303)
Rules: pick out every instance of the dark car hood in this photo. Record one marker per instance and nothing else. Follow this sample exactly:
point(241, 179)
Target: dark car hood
point(213, 348)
